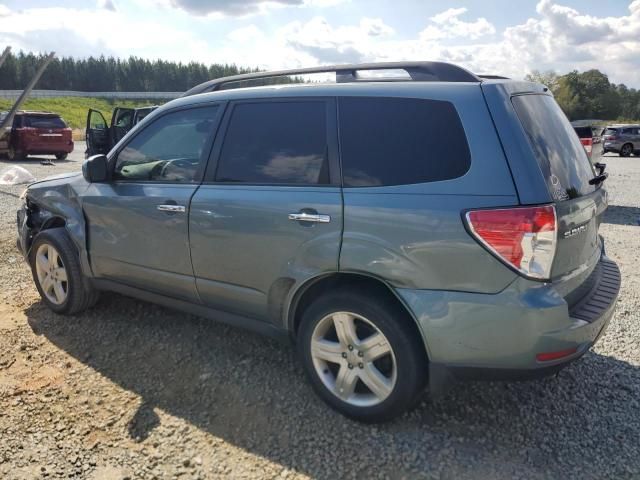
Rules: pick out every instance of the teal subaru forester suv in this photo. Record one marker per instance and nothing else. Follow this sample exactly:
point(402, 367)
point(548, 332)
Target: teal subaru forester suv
point(409, 225)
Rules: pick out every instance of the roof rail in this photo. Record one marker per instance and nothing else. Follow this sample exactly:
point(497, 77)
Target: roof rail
point(418, 71)
point(493, 77)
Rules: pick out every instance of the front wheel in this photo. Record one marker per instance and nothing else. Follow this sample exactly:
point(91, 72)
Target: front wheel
point(56, 271)
point(626, 150)
point(362, 356)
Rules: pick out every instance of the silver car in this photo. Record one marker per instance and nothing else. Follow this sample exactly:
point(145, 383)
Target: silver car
point(622, 139)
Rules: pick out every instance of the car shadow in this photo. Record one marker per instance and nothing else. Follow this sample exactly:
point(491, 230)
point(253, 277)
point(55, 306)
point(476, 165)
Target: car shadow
point(622, 215)
point(250, 391)
point(41, 158)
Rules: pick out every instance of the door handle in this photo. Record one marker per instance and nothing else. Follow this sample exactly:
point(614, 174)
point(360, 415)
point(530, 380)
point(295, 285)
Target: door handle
point(309, 217)
point(172, 208)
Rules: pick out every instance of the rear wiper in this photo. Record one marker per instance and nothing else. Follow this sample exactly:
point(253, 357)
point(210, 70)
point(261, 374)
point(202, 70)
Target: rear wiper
point(602, 176)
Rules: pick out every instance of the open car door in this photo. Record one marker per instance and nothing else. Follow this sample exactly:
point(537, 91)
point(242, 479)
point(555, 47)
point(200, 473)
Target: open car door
point(97, 134)
point(121, 123)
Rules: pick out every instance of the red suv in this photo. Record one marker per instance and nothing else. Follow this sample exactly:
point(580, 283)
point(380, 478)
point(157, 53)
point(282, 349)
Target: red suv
point(41, 133)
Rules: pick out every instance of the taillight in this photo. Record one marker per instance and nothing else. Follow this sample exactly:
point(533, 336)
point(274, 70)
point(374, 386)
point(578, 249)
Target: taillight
point(612, 137)
point(523, 237)
point(587, 143)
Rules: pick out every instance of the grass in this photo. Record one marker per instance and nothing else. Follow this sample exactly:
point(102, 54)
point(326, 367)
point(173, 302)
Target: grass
point(74, 109)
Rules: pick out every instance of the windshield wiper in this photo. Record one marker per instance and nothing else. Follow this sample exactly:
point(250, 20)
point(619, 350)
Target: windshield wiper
point(602, 176)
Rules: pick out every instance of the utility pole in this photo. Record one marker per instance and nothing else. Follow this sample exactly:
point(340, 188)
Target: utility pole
point(8, 120)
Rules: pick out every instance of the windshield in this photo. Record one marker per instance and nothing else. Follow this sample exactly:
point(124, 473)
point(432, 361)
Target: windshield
point(561, 156)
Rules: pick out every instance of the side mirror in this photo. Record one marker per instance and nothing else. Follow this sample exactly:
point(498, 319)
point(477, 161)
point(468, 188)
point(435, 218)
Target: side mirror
point(94, 169)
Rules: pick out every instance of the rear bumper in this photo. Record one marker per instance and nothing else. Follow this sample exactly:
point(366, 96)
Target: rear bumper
point(476, 336)
point(48, 149)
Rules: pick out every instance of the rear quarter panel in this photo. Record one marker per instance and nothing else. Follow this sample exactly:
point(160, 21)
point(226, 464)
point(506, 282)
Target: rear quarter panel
point(413, 236)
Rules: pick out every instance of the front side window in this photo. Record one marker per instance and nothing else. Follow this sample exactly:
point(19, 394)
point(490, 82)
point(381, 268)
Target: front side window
point(400, 141)
point(168, 150)
point(276, 143)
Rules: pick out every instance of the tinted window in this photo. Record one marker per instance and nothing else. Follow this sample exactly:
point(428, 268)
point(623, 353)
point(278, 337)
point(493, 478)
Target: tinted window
point(44, 122)
point(395, 141)
point(583, 132)
point(627, 131)
point(276, 143)
point(170, 149)
point(561, 156)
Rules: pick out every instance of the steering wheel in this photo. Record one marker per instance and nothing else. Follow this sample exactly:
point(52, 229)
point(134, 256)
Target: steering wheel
point(178, 162)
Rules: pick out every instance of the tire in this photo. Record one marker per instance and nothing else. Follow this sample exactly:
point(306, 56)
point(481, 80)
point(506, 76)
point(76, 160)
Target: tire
point(14, 155)
point(62, 156)
point(397, 392)
point(54, 256)
point(626, 150)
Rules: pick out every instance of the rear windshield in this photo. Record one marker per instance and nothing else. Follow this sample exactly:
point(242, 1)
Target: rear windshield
point(44, 122)
point(610, 131)
point(561, 156)
point(583, 132)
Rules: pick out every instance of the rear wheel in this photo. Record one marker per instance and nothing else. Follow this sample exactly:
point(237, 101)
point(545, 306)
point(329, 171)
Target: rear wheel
point(626, 150)
point(362, 356)
point(56, 271)
point(62, 156)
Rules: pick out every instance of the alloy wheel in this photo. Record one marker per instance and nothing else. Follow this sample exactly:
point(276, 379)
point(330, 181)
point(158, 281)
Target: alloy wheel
point(52, 274)
point(353, 359)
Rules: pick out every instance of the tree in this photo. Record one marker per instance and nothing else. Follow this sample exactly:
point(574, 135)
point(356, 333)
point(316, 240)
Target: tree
point(588, 95)
point(548, 78)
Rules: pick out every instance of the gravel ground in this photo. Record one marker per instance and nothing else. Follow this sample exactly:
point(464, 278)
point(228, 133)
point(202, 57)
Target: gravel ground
point(132, 390)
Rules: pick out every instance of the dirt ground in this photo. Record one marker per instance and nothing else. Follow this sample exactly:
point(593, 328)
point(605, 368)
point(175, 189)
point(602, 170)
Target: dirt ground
point(132, 390)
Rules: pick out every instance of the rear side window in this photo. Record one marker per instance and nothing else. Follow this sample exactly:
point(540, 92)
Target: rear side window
point(44, 122)
point(400, 141)
point(276, 143)
point(561, 156)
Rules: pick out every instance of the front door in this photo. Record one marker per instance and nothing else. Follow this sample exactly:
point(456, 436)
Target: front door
point(138, 221)
point(269, 215)
point(97, 134)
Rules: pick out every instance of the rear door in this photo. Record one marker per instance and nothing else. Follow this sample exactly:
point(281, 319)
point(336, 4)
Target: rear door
point(567, 172)
point(97, 134)
point(269, 214)
point(141, 113)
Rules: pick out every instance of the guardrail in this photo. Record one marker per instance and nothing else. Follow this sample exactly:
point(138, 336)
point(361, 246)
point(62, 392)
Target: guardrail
point(14, 94)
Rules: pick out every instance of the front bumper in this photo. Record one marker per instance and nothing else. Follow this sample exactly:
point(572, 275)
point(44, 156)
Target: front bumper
point(479, 336)
point(23, 241)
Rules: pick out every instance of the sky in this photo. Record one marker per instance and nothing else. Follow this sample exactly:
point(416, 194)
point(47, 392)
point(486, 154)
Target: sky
point(505, 37)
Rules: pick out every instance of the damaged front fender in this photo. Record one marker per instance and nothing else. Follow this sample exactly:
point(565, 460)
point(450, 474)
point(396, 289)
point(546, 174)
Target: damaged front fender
point(51, 203)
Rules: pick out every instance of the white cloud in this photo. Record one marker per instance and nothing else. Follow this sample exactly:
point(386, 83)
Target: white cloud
point(107, 5)
point(240, 8)
point(449, 25)
point(555, 37)
point(85, 32)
